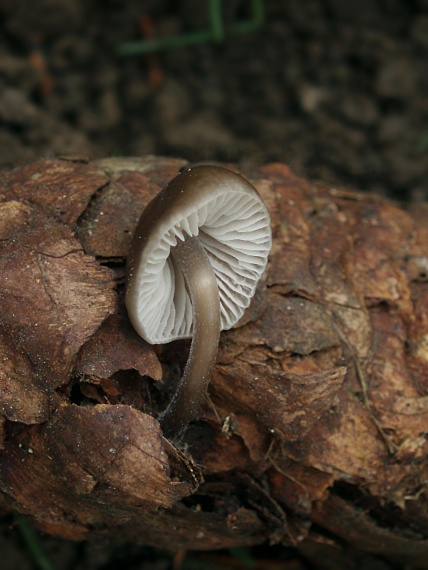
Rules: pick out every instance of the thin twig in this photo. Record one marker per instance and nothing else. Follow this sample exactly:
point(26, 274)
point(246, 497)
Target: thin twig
point(390, 446)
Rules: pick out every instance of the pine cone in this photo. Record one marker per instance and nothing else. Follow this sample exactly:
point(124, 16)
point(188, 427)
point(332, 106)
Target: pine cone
point(314, 430)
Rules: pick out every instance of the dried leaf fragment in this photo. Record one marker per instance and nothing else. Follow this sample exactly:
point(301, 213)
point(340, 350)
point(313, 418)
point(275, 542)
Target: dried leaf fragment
point(52, 296)
point(128, 456)
point(61, 187)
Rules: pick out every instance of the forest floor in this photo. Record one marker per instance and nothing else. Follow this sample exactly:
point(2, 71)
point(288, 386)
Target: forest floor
point(337, 90)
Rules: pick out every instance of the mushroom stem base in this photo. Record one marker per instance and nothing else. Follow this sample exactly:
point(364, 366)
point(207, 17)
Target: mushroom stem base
point(201, 282)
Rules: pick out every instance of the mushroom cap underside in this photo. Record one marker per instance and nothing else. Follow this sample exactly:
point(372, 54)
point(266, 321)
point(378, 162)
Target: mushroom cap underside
point(227, 214)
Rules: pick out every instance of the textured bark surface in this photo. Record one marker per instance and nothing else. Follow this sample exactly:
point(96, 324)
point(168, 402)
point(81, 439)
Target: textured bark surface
point(314, 430)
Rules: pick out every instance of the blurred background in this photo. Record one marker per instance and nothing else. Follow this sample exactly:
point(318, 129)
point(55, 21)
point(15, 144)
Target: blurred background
point(337, 90)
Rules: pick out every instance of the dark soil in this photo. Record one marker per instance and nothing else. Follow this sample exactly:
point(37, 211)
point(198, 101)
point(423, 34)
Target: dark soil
point(336, 89)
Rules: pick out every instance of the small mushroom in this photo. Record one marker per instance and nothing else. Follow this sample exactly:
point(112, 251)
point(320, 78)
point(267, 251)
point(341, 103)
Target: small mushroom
point(196, 256)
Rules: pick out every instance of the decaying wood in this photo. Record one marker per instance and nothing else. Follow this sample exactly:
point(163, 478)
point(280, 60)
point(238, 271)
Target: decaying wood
point(314, 431)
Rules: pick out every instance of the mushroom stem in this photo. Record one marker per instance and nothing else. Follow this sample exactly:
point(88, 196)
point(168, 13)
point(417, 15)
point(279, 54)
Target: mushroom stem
point(201, 284)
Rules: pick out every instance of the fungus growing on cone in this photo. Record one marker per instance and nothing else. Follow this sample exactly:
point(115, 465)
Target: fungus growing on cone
point(314, 430)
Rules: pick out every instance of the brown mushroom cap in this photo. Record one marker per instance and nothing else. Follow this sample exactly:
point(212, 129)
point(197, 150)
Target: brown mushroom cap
point(231, 222)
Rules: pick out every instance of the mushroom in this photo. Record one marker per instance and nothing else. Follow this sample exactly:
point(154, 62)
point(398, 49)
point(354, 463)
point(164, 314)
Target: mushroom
point(196, 256)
